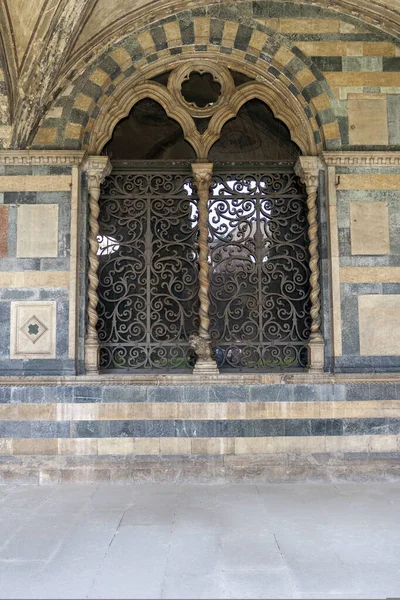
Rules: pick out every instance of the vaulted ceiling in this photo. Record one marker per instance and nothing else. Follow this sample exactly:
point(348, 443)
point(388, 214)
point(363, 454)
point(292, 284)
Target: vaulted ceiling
point(43, 40)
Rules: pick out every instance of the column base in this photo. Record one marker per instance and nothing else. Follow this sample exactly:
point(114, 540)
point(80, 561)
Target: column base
point(316, 354)
point(203, 367)
point(92, 352)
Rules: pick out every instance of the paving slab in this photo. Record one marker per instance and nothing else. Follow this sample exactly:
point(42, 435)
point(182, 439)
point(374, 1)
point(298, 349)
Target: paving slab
point(332, 541)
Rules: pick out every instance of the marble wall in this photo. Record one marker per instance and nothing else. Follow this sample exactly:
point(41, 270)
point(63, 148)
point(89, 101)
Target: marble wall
point(345, 76)
point(39, 265)
point(365, 225)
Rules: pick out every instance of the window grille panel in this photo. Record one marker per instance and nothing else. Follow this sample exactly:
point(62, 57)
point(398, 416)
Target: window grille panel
point(148, 275)
point(259, 288)
point(148, 293)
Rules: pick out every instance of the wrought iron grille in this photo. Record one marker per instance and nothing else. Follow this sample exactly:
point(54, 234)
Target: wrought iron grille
point(259, 288)
point(148, 273)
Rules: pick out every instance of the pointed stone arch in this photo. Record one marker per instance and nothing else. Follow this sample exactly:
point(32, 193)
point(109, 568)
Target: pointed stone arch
point(118, 105)
point(267, 57)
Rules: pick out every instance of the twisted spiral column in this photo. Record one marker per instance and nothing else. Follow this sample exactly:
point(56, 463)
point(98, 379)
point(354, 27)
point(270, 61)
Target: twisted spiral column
point(307, 168)
point(97, 168)
point(202, 344)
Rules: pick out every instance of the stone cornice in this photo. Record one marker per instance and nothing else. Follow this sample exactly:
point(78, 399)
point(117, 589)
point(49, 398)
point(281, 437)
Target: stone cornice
point(203, 379)
point(41, 157)
point(361, 159)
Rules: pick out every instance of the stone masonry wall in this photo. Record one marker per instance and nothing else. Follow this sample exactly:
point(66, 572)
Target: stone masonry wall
point(39, 267)
point(345, 73)
point(365, 267)
point(110, 430)
point(346, 77)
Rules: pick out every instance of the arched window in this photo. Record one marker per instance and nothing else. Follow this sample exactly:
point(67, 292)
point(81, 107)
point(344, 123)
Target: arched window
point(257, 236)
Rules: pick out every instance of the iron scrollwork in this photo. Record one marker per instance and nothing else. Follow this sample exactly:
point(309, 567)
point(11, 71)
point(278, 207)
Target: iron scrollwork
point(148, 293)
point(149, 268)
point(259, 287)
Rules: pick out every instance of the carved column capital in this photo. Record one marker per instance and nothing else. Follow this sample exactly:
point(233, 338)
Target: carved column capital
point(97, 169)
point(202, 175)
point(307, 168)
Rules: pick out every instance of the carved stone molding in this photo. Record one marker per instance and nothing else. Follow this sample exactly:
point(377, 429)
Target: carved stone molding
point(281, 106)
point(218, 72)
point(168, 379)
point(41, 157)
point(307, 168)
point(97, 168)
point(361, 159)
point(121, 106)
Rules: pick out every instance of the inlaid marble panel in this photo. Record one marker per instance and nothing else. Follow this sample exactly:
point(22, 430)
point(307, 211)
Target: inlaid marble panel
point(379, 318)
point(369, 227)
point(368, 122)
point(37, 230)
point(33, 330)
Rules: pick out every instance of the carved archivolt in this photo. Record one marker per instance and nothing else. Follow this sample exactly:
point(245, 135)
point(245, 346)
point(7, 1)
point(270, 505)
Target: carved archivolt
point(284, 106)
point(121, 106)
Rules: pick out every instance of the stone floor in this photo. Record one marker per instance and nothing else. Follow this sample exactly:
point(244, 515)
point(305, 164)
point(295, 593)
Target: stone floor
point(188, 541)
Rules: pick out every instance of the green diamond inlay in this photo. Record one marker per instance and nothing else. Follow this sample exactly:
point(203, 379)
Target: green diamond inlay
point(33, 329)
